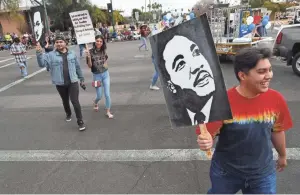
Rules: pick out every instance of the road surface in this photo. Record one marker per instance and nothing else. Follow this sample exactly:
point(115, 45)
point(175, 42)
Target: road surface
point(137, 152)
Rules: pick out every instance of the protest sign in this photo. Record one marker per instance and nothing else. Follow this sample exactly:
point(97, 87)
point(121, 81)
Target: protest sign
point(39, 26)
point(190, 74)
point(83, 27)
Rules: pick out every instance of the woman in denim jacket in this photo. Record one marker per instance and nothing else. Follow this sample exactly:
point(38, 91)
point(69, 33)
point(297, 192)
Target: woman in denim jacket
point(97, 62)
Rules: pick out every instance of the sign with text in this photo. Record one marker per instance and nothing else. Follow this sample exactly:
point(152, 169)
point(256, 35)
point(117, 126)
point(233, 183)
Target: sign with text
point(83, 26)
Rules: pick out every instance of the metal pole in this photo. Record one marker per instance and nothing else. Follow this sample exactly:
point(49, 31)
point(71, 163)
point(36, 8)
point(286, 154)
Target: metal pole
point(46, 17)
point(112, 15)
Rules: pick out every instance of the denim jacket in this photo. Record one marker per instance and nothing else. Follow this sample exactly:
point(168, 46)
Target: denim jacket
point(54, 63)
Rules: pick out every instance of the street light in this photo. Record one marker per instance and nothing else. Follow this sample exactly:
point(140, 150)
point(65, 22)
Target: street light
point(110, 9)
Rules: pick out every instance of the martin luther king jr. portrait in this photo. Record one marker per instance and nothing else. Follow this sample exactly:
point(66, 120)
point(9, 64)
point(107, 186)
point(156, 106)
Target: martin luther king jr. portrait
point(190, 73)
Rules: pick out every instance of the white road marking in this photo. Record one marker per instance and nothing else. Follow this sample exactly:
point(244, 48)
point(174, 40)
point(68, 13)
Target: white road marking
point(12, 63)
point(21, 80)
point(117, 155)
point(8, 59)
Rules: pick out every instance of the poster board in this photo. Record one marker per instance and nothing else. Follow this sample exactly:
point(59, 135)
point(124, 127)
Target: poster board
point(83, 26)
point(39, 26)
point(190, 74)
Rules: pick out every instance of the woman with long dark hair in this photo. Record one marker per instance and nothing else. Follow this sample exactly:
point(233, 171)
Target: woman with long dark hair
point(97, 62)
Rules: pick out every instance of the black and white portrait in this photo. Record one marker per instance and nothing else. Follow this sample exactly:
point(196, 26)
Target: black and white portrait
point(190, 73)
point(38, 23)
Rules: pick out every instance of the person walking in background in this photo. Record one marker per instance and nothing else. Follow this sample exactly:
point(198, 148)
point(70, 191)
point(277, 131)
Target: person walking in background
point(97, 61)
point(19, 51)
point(81, 49)
point(144, 34)
point(155, 75)
point(48, 45)
point(65, 72)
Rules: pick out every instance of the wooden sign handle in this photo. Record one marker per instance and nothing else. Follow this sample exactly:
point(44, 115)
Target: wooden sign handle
point(204, 132)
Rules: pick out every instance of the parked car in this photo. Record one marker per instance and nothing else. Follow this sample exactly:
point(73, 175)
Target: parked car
point(287, 46)
point(136, 35)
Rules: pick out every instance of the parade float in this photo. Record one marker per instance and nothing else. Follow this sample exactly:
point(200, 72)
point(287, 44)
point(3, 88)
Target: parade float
point(232, 28)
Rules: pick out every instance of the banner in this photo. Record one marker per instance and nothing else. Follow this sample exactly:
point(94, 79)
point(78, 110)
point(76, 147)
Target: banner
point(83, 26)
point(190, 74)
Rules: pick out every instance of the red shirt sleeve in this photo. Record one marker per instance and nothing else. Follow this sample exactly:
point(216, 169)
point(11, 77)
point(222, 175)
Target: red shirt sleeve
point(283, 120)
point(213, 128)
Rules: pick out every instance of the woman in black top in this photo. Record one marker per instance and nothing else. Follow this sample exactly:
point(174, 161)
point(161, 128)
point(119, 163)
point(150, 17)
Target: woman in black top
point(97, 61)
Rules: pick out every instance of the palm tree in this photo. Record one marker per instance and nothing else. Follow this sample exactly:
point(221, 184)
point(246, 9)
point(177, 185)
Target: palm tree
point(149, 7)
point(12, 5)
point(155, 6)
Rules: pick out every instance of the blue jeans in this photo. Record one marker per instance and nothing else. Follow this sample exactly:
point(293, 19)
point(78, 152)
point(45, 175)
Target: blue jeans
point(105, 83)
point(227, 183)
point(24, 69)
point(155, 75)
point(81, 48)
point(144, 43)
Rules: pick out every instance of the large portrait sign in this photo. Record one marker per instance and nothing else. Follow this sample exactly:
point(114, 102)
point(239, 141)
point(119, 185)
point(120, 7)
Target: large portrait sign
point(190, 73)
point(39, 27)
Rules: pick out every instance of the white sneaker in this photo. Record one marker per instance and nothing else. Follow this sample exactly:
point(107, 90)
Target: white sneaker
point(154, 87)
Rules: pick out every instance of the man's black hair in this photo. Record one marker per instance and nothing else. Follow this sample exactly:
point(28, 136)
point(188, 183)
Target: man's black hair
point(17, 40)
point(247, 58)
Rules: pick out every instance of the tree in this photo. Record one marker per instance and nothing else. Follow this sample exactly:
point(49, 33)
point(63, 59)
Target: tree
point(155, 6)
point(143, 8)
point(256, 3)
point(202, 7)
point(11, 5)
point(136, 10)
point(118, 17)
point(97, 15)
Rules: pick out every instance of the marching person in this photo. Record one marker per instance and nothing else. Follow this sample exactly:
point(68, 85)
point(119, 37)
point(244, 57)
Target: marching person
point(97, 61)
point(48, 45)
point(144, 33)
point(153, 85)
point(243, 158)
point(18, 49)
point(65, 72)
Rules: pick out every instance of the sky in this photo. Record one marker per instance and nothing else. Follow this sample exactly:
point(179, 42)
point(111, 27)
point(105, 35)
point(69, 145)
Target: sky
point(128, 5)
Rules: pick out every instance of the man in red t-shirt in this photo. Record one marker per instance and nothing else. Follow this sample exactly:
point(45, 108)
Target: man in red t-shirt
point(243, 158)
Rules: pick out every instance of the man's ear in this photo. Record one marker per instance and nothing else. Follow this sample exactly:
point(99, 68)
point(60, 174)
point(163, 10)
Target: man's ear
point(242, 75)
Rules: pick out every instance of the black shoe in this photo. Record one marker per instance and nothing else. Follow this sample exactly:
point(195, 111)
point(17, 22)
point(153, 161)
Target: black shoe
point(68, 118)
point(81, 126)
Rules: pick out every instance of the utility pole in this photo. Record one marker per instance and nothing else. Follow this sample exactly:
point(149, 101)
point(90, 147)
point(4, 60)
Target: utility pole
point(46, 18)
point(112, 16)
point(111, 11)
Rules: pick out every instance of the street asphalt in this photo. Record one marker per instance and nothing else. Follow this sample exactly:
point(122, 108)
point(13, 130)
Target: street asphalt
point(32, 118)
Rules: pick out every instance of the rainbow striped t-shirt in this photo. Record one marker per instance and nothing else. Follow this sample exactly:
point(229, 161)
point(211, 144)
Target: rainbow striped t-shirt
point(244, 146)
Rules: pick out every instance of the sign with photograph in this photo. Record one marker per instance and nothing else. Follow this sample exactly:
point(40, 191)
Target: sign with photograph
point(39, 26)
point(190, 73)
